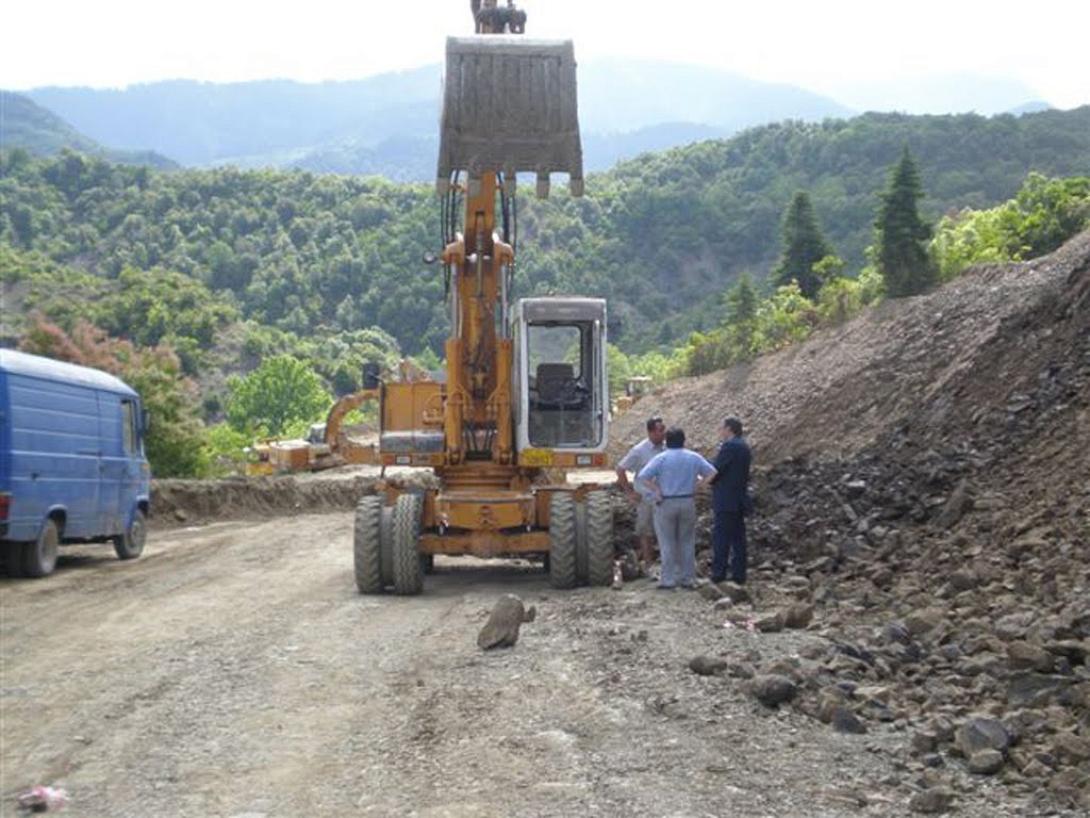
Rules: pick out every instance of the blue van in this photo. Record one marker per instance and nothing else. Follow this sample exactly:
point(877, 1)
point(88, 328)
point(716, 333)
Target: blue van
point(72, 465)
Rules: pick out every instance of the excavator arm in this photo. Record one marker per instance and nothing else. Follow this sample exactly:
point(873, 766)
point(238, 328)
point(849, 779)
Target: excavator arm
point(335, 419)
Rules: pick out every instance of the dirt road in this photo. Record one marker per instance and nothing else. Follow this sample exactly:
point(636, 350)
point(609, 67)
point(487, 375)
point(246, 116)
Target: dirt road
point(234, 671)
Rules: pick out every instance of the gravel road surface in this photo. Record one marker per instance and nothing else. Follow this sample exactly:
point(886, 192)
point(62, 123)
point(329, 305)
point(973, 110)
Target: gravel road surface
point(233, 670)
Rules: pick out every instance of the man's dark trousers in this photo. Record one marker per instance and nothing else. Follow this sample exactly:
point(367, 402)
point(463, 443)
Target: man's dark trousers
point(730, 500)
point(729, 537)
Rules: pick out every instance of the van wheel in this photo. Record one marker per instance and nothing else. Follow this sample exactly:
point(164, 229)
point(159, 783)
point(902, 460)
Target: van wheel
point(40, 558)
point(130, 545)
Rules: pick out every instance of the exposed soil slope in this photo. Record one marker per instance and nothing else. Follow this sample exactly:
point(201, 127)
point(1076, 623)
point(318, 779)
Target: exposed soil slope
point(912, 360)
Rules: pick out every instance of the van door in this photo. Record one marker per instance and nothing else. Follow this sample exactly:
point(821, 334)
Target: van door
point(132, 470)
point(111, 434)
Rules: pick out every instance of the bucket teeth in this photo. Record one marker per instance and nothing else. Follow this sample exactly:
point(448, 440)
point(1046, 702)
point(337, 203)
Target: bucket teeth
point(510, 104)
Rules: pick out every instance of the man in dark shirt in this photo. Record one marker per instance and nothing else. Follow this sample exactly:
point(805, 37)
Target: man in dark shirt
point(730, 500)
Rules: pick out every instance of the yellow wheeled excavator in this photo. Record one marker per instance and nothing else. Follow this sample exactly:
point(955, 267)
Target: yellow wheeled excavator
point(526, 394)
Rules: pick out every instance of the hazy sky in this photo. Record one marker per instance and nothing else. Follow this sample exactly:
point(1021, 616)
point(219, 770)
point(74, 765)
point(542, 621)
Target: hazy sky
point(833, 46)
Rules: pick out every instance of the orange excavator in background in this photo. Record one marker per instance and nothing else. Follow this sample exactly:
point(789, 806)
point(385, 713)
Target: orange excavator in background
point(525, 392)
point(328, 445)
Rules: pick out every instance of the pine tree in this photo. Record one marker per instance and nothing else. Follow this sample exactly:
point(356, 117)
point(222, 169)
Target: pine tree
point(742, 301)
point(741, 311)
point(902, 235)
point(803, 247)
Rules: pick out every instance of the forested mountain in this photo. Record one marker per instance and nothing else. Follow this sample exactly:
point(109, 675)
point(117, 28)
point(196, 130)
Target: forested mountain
point(386, 124)
point(25, 124)
point(661, 236)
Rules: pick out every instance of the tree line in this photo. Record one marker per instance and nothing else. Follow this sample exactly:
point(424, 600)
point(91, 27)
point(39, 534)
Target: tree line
point(221, 270)
point(908, 256)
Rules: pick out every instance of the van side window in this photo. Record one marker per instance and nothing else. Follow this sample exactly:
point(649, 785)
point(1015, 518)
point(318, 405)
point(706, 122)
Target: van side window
point(128, 426)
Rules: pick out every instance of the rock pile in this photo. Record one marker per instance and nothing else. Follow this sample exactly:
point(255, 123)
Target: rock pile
point(946, 564)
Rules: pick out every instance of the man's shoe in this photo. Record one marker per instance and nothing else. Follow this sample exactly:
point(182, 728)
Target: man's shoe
point(718, 579)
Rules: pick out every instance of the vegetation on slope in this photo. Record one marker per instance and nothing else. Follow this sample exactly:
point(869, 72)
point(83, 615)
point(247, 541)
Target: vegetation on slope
point(657, 236)
point(223, 269)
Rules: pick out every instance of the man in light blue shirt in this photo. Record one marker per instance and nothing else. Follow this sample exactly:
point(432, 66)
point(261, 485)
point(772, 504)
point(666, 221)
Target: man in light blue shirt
point(670, 480)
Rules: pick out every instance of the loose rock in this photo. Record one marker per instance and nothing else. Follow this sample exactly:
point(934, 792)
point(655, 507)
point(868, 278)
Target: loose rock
point(932, 801)
point(986, 762)
point(799, 616)
point(773, 690)
point(707, 665)
point(845, 721)
point(771, 623)
point(982, 734)
point(502, 628)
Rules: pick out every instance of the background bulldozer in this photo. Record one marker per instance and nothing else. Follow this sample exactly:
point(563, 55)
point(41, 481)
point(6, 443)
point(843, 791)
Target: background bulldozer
point(526, 392)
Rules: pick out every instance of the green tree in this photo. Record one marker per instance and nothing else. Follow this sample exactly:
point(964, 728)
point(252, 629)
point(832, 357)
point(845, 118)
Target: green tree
point(902, 235)
point(742, 301)
point(282, 391)
point(803, 247)
point(741, 311)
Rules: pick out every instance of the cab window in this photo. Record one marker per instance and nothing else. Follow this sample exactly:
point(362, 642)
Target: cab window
point(561, 385)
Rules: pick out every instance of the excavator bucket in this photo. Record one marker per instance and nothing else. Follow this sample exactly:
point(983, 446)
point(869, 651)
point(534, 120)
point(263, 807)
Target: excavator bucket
point(509, 105)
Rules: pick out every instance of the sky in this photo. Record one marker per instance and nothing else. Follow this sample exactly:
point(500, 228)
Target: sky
point(848, 49)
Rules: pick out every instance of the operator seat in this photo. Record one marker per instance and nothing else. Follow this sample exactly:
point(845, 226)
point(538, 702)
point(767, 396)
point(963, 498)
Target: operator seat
point(557, 387)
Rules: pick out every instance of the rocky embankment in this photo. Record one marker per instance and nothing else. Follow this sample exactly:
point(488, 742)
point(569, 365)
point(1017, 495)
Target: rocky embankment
point(945, 553)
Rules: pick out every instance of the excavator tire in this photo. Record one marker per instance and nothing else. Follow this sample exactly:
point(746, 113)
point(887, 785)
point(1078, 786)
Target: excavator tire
point(386, 540)
point(408, 572)
point(580, 543)
point(367, 545)
point(562, 541)
point(599, 538)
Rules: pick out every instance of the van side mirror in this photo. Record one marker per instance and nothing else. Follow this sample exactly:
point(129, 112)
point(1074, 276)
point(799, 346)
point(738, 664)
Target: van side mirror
point(145, 420)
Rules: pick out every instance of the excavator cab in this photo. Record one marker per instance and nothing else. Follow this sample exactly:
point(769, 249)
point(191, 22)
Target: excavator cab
point(561, 379)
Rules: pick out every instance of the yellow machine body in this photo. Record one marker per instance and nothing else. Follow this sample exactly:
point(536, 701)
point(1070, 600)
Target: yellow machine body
point(525, 389)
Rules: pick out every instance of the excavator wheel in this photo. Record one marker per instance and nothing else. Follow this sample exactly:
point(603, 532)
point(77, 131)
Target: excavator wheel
point(408, 571)
point(562, 541)
point(367, 546)
point(599, 538)
point(386, 540)
point(581, 558)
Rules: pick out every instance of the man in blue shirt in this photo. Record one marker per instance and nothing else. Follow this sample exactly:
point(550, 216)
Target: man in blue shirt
point(669, 480)
point(730, 500)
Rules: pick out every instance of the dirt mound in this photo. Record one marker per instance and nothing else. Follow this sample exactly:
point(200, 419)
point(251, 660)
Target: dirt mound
point(194, 501)
point(949, 555)
point(844, 387)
